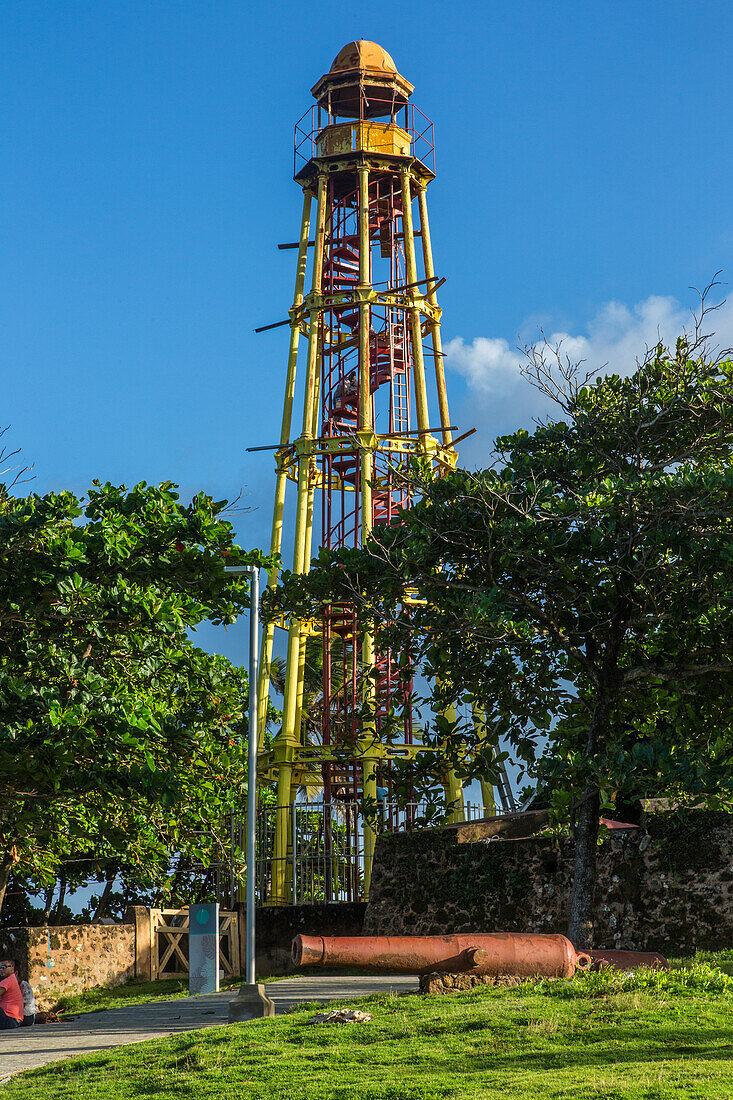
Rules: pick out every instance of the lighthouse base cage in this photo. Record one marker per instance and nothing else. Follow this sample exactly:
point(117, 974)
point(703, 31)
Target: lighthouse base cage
point(325, 859)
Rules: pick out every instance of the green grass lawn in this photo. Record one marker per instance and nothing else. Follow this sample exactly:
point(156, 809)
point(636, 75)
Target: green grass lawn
point(646, 1036)
point(116, 996)
point(140, 993)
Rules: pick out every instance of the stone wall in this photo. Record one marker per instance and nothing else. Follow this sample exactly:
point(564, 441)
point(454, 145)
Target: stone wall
point(667, 886)
point(277, 927)
point(71, 958)
point(85, 956)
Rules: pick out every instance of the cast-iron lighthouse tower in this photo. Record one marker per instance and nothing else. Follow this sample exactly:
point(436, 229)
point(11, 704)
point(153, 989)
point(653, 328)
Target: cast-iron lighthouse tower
point(367, 334)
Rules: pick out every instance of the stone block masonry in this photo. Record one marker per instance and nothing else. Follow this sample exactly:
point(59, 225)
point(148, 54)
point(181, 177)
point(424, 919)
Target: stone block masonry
point(71, 958)
point(667, 886)
point(277, 927)
point(76, 957)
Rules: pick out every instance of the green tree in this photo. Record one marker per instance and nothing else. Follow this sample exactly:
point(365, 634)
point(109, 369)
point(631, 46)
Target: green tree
point(121, 740)
point(580, 591)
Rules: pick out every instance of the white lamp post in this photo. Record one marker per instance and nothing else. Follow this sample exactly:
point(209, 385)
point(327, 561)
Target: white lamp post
point(251, 1000)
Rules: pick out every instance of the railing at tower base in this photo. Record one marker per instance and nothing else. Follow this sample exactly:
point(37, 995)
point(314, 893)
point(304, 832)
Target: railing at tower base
point(325, 858)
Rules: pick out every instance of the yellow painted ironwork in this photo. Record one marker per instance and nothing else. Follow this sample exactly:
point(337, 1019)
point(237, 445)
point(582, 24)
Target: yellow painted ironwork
point(349, 156)
point(421, 392)
point(290, 733)
point(363, 137)
point(434, 320)
point(488, 797)
point(281, 479)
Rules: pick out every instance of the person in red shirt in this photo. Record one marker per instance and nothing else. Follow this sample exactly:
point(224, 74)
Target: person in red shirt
point(11, 998)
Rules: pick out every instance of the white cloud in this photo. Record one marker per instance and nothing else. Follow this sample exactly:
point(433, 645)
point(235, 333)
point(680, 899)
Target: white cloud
point(488, 364)
point(499, 400)
point(614, 339)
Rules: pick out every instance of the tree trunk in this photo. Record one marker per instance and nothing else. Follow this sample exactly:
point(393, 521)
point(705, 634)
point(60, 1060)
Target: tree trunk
point(582, 894)
point(177, 883)
point(102, 904)
point(6, 866)
point(204, 887)
point(62, 896)
point(47, 903)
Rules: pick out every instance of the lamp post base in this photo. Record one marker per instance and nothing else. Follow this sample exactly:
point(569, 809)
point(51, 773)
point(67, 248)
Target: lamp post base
point(250, 1003)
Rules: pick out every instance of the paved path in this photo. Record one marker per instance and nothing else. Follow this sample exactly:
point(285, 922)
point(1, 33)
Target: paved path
point(26, 1048)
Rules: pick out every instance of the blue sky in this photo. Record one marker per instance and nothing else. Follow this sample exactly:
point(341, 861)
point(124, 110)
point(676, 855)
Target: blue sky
point(584, 162)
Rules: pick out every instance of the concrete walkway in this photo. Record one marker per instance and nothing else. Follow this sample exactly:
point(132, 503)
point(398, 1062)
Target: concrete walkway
point(25, 1048)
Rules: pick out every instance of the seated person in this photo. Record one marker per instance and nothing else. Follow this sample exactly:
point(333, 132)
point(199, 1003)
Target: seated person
point(29, 1004)
point(11, 998)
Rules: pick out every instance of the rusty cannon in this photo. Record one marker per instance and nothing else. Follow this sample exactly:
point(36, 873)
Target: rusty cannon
point(498, 954)
point(628, 960)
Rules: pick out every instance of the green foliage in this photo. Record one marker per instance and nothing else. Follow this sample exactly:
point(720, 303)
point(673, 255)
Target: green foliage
point(122, 740)
point(592, 566)
point(579, 592)
point(716, 958)
point(700, 977)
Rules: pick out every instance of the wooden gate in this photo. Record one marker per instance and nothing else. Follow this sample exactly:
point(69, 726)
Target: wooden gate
point(169, 943)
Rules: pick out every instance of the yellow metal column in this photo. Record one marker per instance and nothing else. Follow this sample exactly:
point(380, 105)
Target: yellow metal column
point(288, 882)
point(452, 786)
point(427, 251)
point(453, 790)
point(289, 735)
point(488, 799)
point(301, 691)
point(281, 482)
point(305, 460)
point(366, 442)
point(479, 724)
point(365, 396)
point(421, 392)
point(278, 894)
point(302, 651)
